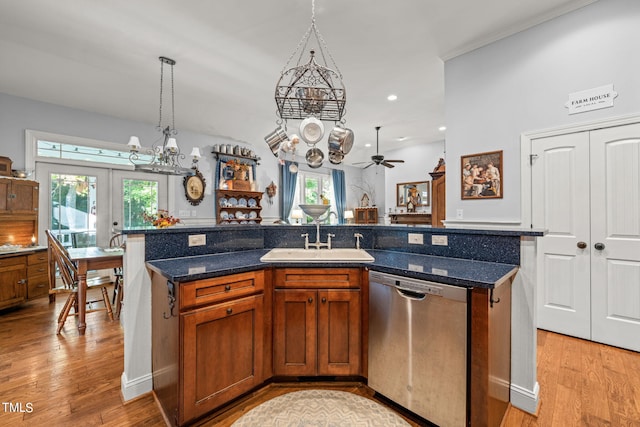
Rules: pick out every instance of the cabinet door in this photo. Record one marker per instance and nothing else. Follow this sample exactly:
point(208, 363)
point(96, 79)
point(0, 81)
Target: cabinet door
point(5, 190)
point(221, 354)
point(339, 332)
point(12, 285)
point(294, 332)
point(24, 197)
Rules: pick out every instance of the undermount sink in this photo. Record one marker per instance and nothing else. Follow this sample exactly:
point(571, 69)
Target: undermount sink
point(342, 255)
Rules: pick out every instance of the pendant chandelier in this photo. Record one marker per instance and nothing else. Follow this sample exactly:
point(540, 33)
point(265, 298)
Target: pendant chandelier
point(312, 92)
point(166, 157)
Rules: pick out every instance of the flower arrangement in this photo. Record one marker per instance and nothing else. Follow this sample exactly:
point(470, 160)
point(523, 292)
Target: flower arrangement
point(160, 219)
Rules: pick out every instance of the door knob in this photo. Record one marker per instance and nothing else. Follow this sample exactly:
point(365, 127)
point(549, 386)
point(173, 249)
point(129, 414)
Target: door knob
point(599, 246)
point(582, 245)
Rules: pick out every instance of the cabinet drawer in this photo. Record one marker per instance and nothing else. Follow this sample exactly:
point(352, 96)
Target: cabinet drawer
point(326, 278)
point(14, 260)
point(37, 270)
point(38, 258)
point(37, 286)
point(207, 291)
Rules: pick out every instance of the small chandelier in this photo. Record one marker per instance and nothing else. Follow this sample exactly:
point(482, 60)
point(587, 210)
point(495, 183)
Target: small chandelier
point(166, 157)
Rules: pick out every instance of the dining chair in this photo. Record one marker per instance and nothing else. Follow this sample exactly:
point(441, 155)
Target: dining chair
point(117, 241)
point(69, 278)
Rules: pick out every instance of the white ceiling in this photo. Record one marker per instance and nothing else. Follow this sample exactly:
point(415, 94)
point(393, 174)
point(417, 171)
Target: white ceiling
point(101, 56)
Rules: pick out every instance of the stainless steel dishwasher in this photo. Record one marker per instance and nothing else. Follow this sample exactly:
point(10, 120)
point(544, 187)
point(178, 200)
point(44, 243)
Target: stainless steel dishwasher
point(418, 346)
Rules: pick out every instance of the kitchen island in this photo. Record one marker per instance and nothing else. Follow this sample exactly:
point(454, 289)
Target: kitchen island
point(491, 262)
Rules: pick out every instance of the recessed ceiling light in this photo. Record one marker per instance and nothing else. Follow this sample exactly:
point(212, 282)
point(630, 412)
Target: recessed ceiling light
point(442, 128)
point(367, 145)
point(392, 97)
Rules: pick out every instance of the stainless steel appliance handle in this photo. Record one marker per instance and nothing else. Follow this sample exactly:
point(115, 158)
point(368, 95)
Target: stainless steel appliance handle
point(411, 295)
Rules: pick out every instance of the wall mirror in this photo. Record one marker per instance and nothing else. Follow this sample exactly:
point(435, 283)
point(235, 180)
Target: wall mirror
point(413, 194)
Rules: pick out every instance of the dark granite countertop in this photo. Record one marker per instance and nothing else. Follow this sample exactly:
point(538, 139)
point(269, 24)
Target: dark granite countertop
point(453, 271)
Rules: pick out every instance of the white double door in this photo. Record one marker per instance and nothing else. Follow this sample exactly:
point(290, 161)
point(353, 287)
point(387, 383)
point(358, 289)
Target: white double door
point(586, 193)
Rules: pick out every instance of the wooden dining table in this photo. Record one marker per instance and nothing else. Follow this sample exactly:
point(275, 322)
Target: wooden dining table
point(87, 259)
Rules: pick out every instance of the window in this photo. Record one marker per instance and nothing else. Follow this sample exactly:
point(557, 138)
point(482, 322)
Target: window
point(311, 187)
point(84, 153)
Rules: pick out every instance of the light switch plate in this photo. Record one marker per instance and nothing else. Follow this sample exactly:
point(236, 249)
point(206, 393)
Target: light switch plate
point(439, 240)
point(416, 239)
point(197, 239)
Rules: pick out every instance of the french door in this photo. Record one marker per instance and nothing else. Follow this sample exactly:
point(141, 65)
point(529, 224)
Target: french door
point(85, 204)
point(586, 193)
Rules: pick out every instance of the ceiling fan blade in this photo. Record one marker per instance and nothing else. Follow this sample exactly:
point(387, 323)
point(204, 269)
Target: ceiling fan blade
point(387, 164)
point(395, 161)
point(370, 164)
point(359, 163)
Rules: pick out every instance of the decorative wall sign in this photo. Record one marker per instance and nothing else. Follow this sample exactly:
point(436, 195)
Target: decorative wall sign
point(482, 175)
point(591, 99)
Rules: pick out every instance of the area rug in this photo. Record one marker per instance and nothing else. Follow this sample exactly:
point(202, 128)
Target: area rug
point(320, 408)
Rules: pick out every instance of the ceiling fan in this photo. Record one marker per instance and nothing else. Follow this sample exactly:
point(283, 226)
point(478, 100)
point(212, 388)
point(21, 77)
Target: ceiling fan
point(378, 159)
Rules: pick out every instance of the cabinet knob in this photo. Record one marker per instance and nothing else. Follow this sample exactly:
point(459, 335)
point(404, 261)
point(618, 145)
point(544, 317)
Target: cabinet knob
point(229, 311)
point(599, 246)
point(582, 245)
point(227, 288)
point(310, 300)
point(324, 300)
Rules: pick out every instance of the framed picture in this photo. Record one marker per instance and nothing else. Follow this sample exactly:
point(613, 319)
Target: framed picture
point(413, 194)
point(482, 175)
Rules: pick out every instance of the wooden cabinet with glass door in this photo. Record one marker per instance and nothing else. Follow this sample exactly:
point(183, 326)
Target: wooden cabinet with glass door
point(366, 215)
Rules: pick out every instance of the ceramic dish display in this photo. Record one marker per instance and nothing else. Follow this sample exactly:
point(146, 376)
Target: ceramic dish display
point(224, 214)
point(252, 203)
point(223, 202)
point(233, 202)
point(242, 202)
point(252, 222)
point(253, 214)
point(239, 215)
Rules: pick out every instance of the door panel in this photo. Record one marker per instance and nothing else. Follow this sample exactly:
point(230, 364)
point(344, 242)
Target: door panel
point(134, 192)
point(615, 206)
point(560, 204)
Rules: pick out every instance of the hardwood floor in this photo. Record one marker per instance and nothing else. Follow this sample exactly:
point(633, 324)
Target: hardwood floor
point(74, 380)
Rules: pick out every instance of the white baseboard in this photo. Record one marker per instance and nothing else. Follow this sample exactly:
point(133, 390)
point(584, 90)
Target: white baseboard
point(136, 387)
point(527, 400)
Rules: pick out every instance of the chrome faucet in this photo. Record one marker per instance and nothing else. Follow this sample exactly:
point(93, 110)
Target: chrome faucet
point(306, 240)
point(329, 236)
point(358, 236)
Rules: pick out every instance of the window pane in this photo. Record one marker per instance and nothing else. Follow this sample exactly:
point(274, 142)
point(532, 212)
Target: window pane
point(85, 153)
point(139, 196)
point(73, 209)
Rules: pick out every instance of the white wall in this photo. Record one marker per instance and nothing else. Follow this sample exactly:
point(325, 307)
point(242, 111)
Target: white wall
point(18, 114)
point(419, 160)
point(521, 83)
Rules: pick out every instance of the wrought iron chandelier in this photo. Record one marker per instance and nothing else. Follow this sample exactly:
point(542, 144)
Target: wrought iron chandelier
point(166, 157)
point(312, 92)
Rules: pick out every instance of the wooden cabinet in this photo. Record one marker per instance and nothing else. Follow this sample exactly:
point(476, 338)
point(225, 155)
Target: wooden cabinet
point(438, 200)
point(23, 276)
point(490, 354)
point(18, 196)
point(13, 280)
point(317, 322)
point(410, 218)
point(231, 204)
point(37, 274)
point(366, 215)
point(209, 342)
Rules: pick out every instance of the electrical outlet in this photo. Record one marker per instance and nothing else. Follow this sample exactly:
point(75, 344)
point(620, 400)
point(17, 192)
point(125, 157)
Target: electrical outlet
point(184, 213)
point(439, 240)
point(459, 214)
point(416, 239)
point(197, 239)
point(194, 213)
